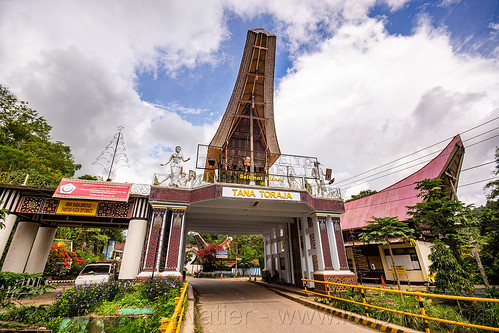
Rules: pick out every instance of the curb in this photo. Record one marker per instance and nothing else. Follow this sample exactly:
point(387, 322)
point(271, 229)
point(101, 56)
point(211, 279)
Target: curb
point(357, 318)
point(187, 325)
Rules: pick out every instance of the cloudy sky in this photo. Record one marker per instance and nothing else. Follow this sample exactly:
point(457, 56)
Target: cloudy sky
point(358, 83)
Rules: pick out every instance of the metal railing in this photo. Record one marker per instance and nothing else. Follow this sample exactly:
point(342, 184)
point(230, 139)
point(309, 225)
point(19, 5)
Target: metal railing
point(246, 178)
point(419, 296)
point(172, 324)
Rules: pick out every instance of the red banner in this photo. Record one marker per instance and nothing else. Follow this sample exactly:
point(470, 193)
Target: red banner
point(89, 189)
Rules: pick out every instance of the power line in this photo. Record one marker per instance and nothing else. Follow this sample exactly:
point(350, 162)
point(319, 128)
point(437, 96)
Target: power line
point(420, 150)
point(480, 181)
point(414, 196)
point(467, 169)
point(477, 166)
point(391, 173)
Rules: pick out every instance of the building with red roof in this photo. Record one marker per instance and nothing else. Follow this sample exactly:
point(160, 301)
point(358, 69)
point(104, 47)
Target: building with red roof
point(369, 261)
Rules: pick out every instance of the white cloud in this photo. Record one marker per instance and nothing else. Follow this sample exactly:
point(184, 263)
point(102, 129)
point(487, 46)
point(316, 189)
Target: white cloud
point(365, 98)
point(359, 97)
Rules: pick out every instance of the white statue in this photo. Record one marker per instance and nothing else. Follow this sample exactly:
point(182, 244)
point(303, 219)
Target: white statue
point(318, 175)
point(175, 168)
point(292, 179)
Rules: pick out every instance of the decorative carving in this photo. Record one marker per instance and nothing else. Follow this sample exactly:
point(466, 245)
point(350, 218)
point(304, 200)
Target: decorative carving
point(140, 189)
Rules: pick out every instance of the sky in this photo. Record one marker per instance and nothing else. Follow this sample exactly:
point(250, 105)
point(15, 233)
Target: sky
point(358, 84)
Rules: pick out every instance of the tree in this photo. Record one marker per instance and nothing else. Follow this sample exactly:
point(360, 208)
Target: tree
point(449, 221)
point(361, 194)
point(90, 240)
point(2, 216)
point(25, 141)
point(381, 229)
point(489, 227)
point(88, 177)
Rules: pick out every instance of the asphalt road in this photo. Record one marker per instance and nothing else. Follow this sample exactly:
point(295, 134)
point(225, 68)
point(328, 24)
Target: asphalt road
point(236, 305)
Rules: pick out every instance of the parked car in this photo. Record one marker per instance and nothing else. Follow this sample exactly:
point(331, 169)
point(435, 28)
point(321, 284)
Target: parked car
point(97, 272)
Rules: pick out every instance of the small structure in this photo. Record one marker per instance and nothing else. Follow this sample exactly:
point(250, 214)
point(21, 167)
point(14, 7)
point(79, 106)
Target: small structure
point(371, 260)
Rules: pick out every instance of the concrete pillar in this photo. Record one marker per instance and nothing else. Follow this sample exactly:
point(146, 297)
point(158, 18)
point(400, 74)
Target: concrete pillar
point(10, 220)
point(175, 242)
point(153, 238)
point(333, 244)
point(20, 248)
point(40, 250)
point(130, 263)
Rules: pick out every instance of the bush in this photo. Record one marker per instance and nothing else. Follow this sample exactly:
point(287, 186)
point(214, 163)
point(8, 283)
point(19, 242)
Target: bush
point(104, 299)
point(62, 263)
point(81, 300)
point(153, 288)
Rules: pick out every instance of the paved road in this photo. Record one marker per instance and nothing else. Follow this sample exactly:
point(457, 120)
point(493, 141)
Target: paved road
point(235, 305)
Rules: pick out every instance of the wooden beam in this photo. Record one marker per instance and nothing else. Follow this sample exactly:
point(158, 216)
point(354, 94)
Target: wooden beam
point(248, 117)
point(260, 47)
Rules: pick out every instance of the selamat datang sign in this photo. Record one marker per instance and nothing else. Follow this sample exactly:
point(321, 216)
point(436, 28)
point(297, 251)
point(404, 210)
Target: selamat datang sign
point(92, 190)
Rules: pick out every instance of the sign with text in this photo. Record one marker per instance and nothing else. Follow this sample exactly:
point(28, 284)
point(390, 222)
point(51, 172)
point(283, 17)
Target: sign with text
point(248, 193)
point(93, 190)
point(222, 254)
point(71, 207)
point(400, 269)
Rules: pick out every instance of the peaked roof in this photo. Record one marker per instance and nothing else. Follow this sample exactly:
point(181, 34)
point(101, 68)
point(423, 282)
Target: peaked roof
point(393, 200)
point(254, 88)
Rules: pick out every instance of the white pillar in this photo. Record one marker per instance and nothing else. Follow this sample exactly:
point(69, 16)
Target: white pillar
point(10, 220)
point(332, 244)
point(20, 248)
point(40, 250)
point(130, 263)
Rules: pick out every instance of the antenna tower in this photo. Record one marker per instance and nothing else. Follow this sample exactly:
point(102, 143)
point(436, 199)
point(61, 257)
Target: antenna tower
point(113, 156)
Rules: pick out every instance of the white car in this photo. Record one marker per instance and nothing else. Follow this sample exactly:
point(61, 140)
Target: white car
point(97, 272)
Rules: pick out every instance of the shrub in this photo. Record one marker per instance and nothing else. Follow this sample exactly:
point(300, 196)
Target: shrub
point(62, 263)
point(153, 288)
point(81, 300)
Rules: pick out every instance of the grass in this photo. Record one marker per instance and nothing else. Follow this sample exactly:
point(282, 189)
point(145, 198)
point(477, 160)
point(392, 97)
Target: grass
point(473, 312)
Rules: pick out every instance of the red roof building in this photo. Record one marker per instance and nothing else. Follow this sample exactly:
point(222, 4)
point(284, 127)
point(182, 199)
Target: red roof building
point(369, 261)
point(393, 200)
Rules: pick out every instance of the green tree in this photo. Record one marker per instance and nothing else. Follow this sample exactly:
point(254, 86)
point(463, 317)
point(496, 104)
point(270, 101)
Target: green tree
point(361, 194)
point(25, 141)
point(90, 240)
point(489, 227)
point(88, 177)
point(381, 229)
point(449, 221)
point(2, 216)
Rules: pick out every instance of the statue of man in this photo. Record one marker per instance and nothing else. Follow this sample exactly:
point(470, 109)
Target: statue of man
point(318, 175)
point(175, 169)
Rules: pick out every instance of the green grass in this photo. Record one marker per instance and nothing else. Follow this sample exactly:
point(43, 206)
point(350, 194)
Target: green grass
point(470, 312)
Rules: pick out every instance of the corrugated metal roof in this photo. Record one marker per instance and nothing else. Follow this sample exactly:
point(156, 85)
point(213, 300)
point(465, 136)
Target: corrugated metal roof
point(393, 200)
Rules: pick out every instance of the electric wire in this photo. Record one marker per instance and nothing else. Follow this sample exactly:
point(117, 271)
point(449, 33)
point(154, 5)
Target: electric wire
point(356, 182)
point(420, 150)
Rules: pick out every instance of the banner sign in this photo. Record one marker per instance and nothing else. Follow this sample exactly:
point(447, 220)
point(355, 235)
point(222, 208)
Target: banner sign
point(93, 190)
point(71, 207)
point(222, 254)
point(248, 193)
point(400, 269)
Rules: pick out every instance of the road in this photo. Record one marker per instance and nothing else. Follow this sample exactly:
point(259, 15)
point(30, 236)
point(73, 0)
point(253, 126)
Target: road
point(235, 305)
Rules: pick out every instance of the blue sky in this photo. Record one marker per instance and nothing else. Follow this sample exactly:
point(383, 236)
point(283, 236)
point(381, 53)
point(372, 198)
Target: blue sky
point(207, 88)
point(357, 83)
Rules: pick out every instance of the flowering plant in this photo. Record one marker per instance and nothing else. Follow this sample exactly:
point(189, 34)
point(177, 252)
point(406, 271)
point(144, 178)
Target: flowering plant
point(208, 257)
point(62, 263)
